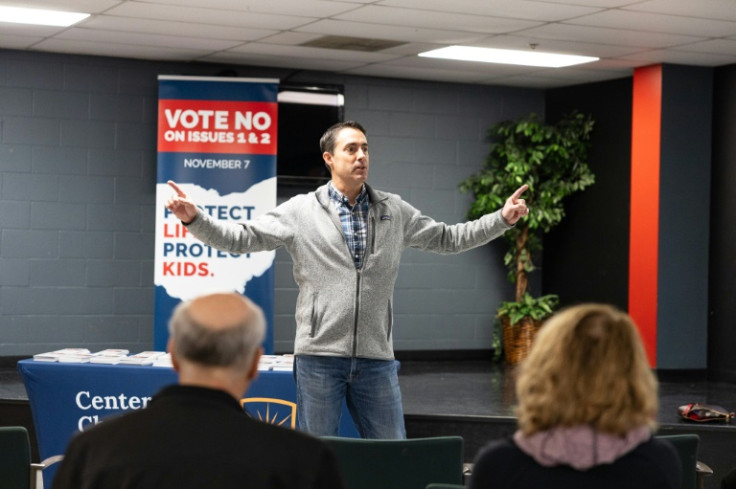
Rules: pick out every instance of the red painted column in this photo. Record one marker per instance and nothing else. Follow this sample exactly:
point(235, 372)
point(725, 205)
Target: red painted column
point(644, 220)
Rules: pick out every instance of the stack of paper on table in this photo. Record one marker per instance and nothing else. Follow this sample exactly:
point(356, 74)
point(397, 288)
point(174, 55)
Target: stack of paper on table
point(111, 356)
point(142, 358)
point(65, 355)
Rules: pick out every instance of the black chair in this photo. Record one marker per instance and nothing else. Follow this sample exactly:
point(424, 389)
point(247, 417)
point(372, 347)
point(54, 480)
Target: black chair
point(15, 462)
point(16, 469)
point(399, 464)
point(693, 471)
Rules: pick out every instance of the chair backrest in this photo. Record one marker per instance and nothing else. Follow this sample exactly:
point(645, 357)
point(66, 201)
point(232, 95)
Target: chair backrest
point(399, 464)
point(15, 458)
point(686, 446)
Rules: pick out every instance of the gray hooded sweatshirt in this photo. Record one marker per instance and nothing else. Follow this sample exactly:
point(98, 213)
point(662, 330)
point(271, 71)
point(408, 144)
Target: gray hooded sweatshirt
point(340, 310)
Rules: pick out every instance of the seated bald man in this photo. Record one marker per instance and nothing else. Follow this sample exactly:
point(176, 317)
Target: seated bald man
point(195, 434)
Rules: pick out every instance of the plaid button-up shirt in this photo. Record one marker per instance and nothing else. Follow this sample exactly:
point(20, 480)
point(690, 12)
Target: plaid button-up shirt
point(354, 221)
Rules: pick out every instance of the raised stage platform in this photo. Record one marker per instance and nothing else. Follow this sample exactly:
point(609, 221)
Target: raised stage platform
point(475, 399)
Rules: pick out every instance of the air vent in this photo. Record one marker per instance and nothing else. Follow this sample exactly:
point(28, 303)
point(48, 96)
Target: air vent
point(352, 43)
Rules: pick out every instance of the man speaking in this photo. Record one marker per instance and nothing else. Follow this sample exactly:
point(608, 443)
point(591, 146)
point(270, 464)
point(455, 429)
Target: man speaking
point(346, 240)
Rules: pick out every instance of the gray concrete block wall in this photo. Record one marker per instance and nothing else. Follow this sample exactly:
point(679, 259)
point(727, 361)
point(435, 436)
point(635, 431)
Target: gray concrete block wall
point(77, 179)
point(74, 244)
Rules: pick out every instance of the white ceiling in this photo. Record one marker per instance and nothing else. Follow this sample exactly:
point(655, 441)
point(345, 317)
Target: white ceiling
point(623, 33)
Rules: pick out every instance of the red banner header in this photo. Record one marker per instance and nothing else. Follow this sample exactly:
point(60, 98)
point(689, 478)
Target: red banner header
point(204, 126)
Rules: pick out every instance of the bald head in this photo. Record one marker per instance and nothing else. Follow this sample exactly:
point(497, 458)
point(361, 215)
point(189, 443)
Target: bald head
point(220, 311)
point(217, 330)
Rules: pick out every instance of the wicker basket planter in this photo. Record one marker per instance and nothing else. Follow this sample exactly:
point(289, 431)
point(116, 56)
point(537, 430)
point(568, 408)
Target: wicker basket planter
point(517, 339)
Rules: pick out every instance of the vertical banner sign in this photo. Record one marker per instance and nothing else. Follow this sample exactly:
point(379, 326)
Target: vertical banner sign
point(217, 140)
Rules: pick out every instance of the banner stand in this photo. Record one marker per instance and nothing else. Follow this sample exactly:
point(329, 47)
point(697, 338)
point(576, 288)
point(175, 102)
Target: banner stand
point(217, 139)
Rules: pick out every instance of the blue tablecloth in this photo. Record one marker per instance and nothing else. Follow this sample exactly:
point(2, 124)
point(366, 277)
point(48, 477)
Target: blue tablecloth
point(69, 397)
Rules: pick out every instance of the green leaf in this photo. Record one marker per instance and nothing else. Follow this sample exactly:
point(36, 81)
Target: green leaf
point(538, 308)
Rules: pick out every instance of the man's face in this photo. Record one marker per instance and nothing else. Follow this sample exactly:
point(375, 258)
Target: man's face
point(349, 159)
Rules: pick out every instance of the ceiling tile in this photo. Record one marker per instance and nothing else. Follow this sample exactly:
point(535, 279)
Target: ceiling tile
point(142, 39)
point(704, 9)
point(513, 9)
point(153, 26)
point(644, 21)
point(125, 51)
point(600, 4)
point(408, 18)
point(212, 16)
point(305, 8)
point(415, 73)
point(621, 37)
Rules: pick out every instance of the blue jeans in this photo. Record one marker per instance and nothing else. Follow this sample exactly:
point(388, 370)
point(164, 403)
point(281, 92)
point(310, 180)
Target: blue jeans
point(370, 388)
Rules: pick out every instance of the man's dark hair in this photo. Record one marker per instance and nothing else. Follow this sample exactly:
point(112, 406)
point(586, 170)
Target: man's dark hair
point(328, 140)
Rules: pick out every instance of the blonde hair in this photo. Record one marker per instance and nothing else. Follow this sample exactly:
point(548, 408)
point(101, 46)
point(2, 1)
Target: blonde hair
point(587, 366)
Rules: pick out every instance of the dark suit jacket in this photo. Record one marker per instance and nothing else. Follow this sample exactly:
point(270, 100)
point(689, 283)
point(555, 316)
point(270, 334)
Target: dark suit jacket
point(194, 437)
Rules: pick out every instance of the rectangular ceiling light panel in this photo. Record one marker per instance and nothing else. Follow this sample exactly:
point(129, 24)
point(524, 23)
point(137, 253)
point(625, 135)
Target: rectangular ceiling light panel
point(507, 56)
point(18, 15)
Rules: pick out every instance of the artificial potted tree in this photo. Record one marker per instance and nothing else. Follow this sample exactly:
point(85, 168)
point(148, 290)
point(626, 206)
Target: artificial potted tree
point(552, 160)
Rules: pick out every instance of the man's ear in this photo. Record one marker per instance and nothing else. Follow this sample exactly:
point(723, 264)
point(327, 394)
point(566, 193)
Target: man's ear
point(253, 371)
point(327, 156)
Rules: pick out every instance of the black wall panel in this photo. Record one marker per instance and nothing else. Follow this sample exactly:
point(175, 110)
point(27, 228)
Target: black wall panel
point(586, 257)
point(722, 267)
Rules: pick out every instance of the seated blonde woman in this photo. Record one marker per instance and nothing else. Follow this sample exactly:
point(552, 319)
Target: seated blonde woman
point(587, 402)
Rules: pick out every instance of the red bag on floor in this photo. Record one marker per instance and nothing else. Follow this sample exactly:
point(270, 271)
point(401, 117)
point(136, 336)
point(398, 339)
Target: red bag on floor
point(704, 412)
